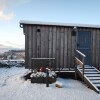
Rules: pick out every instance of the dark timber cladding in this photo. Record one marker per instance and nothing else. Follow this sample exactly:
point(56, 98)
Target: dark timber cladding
point(57, 41)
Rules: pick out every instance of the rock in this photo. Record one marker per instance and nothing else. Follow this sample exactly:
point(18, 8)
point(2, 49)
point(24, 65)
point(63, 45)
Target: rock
point(58, 84)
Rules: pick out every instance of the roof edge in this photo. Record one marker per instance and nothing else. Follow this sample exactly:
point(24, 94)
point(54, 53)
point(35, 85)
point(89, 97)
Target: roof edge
point(22, 22)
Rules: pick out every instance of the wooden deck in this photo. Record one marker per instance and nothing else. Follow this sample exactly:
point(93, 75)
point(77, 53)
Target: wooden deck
point(64, 70)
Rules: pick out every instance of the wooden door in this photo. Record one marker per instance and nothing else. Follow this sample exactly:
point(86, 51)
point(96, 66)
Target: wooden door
point(83, 44)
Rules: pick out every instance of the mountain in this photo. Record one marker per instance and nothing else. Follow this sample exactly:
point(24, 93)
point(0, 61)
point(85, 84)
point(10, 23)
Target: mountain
point(4, 48)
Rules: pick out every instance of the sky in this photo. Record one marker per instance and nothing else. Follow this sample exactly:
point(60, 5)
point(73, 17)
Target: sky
point(64, 11)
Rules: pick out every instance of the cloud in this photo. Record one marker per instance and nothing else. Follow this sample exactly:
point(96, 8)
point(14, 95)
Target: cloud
point(6, 16)
point(6, 4)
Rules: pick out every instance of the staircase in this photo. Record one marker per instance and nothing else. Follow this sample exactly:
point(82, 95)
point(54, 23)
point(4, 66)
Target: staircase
point(91, 77)
point(89, 74)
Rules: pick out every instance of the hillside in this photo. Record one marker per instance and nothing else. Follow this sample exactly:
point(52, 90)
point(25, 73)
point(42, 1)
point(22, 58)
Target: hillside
point(4, 48)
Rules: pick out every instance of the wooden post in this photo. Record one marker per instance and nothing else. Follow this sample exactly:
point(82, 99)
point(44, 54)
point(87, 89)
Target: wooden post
point(76, 30)
point(54, 64)
point(47, 77)
point(81, 63)
point(75, 64)
point(75, 71)
point(83, 68)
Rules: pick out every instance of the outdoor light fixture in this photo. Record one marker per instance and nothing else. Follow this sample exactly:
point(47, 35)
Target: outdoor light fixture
point(38, 30)
point(74, 31)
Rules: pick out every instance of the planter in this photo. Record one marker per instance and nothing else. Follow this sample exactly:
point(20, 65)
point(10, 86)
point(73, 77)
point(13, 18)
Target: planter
point(37, 80)
point(40, 77)
point(42, 80)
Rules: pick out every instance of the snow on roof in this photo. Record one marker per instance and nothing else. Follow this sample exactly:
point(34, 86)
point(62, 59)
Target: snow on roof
point(58, 24)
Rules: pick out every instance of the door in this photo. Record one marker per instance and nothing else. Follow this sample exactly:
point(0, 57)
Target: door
point(83, 44)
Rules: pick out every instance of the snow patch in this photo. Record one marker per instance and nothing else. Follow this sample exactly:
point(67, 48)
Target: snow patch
point(13, 87)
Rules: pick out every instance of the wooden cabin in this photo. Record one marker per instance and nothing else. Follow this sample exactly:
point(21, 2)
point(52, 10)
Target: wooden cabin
point(59, 41)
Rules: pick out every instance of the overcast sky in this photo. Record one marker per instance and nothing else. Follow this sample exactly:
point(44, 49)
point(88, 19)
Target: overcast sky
point(64, 11)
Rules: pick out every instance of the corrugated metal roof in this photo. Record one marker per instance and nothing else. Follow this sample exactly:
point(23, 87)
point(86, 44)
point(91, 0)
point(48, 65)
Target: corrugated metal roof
point(58, 24)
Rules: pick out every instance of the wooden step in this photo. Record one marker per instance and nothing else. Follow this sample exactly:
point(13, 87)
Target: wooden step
point(97, 85)
point(94, 78)
point(95, 81)
point(88, 70)
point(92, 72)
point(92, 75)
point(87, 66)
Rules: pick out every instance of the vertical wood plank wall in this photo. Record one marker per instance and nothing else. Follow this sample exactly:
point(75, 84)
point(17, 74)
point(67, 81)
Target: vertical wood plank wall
point(58, 42)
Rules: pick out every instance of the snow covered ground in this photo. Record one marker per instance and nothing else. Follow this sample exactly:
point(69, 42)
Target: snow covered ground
point(13, 87)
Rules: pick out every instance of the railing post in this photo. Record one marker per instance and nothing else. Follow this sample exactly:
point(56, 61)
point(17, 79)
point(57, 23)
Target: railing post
point(47, 77)
point(75, 64)
point(75, 71)
point(83, 60)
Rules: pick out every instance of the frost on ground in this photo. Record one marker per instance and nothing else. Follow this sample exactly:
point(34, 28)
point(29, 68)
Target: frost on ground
point(14, 87)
